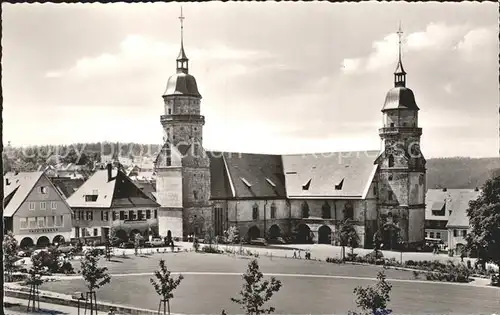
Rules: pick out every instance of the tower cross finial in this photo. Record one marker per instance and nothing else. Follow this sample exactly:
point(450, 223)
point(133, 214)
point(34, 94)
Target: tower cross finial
point(181, 18)
point(400, 34)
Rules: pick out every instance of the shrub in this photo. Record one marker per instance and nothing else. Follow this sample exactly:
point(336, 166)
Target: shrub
point(495, 280)
point(453, 274)
point(416, 274)
point(211, 250)
point(374, 298)
point(373, 256)
point(334, 260)
point(66, 268)
point(351, 257)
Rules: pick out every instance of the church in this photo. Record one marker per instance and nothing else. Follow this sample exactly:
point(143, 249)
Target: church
point(304, 197)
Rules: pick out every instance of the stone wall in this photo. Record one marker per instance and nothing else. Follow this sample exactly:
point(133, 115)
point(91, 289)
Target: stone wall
point(169, 189)
point(170, 219)
point(197, 220)
point(416, 224)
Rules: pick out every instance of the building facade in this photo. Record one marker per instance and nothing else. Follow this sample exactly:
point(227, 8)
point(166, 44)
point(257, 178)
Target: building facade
point(110, 200)
point(305, 197)
point(34, 210)
point(446, 215)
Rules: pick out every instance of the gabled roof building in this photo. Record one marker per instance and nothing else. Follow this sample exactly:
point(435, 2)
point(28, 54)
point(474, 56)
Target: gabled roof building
point(109, 199)
point(34, 210)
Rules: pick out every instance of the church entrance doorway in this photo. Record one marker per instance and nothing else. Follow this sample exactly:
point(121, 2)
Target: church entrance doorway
point(253, 233)
point(324, 235)
point(274, 232)
point(303, 234)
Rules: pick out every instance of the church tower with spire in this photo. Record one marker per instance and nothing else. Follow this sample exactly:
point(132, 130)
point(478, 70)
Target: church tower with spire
point(183, 174)
point(402, 172)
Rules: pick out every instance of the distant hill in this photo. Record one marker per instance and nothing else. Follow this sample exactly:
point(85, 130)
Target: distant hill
point(456, 172)
point(460, 172)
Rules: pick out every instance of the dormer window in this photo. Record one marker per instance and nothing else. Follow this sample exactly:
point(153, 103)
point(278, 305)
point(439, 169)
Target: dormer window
point(270, 182)
point(339, 185)
point(90, 198)
point(246, 182)
point(306, 186)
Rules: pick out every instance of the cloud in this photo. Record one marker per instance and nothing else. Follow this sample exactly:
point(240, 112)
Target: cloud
point(137, 52)
point(476, 40)
point(436, 37)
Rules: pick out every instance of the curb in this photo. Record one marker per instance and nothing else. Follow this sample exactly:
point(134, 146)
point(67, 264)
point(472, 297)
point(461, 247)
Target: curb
point(102, 307)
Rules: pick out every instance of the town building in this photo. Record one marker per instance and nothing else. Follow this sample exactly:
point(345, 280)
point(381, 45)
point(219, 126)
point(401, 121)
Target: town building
point(34, 210)
point(446, 215)
point(109, 199)
point(304, 196)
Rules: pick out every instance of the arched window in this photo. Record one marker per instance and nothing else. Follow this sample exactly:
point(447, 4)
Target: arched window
point(273, 211)
point(305, 210)
point(326, 211)
point(391, 161)
point(255, 212)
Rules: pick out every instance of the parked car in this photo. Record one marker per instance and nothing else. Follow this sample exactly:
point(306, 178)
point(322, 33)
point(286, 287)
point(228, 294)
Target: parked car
point(258, 241)
point(66, 249)
point(278, 240)
point(155, 242)
point(26, 252)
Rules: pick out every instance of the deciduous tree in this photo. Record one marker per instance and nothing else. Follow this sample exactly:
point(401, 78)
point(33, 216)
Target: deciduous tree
point(348, 236)
point(256, 291)
point(233, 234)
point(373, 299)
point(10, 252)
point(165, 286)
point(484, 219)
point(94, 276)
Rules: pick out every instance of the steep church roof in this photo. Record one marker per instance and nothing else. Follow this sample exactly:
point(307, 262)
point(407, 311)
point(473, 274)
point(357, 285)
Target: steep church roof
point(329, 175)
point(246, 175)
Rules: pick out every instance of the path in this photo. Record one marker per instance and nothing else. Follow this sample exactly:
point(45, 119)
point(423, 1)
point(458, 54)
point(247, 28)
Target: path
point(20, 306)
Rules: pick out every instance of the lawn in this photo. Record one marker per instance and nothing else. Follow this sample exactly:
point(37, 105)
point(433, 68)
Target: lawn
point(202, 294)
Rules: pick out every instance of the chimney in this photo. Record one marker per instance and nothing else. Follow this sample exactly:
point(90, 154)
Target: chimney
point(444, 189)
point(109, 167)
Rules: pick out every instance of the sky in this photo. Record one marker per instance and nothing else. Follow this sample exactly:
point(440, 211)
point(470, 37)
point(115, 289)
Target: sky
point(275, 77)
